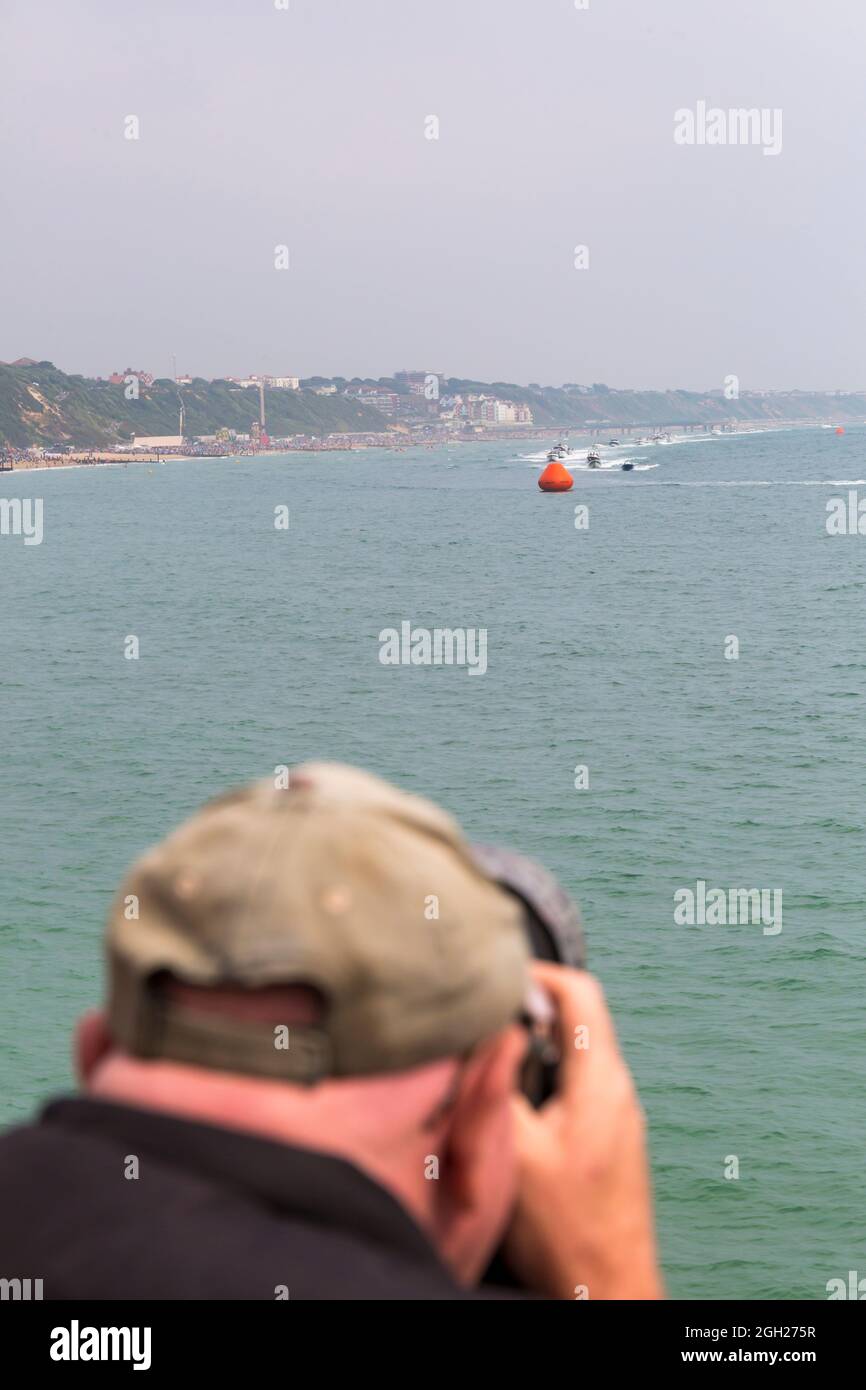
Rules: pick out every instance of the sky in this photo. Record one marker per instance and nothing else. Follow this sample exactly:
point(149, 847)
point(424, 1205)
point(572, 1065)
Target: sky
point(305, 124)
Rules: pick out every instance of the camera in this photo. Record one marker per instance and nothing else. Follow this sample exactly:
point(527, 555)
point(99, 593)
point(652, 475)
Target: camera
point(554, 931)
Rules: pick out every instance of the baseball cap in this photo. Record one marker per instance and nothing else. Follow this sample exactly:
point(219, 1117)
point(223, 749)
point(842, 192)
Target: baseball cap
point(337, 881)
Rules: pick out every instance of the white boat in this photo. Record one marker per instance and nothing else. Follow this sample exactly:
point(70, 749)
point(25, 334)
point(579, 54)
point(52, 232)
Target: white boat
point(564, 452)
point(560, 453)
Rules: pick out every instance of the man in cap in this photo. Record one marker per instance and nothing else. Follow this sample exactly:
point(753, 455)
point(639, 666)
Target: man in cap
point(306, 1081)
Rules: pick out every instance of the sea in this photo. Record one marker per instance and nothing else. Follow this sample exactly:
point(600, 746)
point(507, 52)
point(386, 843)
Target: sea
point(674, 695)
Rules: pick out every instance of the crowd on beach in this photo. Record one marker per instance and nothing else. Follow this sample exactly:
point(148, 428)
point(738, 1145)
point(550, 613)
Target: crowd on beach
point(11, 458)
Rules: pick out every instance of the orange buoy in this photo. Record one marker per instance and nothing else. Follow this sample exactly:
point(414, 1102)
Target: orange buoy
point(555, 478)
point(839, 429)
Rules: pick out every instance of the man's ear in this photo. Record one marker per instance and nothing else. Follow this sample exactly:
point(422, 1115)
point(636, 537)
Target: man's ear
point(92, 1043)
point(481, 1114)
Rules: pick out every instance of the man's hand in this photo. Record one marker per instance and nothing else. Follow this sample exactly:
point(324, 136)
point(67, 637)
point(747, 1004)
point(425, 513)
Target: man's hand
point(583, 1222)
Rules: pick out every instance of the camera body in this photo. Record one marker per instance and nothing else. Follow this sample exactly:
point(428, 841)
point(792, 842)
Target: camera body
point(554, 932)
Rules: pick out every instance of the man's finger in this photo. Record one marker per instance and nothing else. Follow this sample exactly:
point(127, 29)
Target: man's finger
point(584, 1022)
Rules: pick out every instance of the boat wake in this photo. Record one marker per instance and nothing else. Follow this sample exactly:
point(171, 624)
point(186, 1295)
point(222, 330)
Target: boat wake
point(609, 465)
point(573, 456)
point(764, 482)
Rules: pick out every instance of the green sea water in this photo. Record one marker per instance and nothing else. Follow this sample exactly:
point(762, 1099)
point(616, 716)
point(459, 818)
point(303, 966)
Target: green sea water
point(606, 648)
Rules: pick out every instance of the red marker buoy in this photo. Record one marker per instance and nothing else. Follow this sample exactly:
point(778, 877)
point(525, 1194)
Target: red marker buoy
point(555, 478)
point(839, 429)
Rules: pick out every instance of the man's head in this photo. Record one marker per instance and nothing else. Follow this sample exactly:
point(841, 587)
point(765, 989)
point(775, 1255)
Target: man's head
point(328, 965)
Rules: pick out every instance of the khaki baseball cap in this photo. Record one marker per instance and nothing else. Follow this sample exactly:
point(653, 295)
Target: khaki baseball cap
point(337, 881)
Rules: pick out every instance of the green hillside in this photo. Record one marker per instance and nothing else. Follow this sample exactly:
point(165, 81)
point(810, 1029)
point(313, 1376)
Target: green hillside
point(41, 405)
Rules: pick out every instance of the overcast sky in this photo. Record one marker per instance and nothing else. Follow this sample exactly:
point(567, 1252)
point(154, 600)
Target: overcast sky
point(305, 127)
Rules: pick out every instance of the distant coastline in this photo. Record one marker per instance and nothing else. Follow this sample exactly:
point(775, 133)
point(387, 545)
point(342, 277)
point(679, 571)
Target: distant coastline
point(46, 410)
point(395, 444)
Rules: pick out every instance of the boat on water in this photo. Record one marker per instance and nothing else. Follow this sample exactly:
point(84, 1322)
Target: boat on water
point(564, 452)
point(558, 453)
point(593, 458)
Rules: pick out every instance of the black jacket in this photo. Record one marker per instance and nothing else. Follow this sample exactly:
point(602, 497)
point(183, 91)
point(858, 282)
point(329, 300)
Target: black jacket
point(213, 1214)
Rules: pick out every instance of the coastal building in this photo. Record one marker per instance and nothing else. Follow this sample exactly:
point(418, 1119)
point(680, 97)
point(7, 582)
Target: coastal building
point(158, 441)
point(490, 410)
point(119, 378)
point(388, 402)
point(417, 381)
point(274, 383)
point(498, 412)
point(283, 383)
